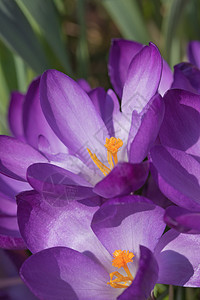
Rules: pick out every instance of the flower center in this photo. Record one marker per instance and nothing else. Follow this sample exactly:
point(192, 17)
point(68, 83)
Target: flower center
point(121, 258)
point(112, 145)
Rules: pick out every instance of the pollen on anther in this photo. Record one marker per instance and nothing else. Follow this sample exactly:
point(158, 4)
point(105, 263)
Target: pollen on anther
point(113, 144)
point(121, 258)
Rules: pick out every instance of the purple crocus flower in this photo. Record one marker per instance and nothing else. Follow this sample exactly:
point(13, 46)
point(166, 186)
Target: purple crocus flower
point(121, 256)
point(187, 75)
point(176, 162)
point(109, 137)
point(76, 143)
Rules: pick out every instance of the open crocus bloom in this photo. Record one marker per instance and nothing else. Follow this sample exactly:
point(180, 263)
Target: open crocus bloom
point(83, 144)
point(176, 162)
point(103, 143)
point(121, 257)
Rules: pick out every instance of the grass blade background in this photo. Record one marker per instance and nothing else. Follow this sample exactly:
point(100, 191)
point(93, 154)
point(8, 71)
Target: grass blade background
point(170, 24)
point(45, 15)
point(17, 33)
point(128, 18)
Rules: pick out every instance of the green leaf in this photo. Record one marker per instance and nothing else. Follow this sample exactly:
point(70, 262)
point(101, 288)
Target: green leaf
point(17, 33)
point(171, 22)
point(128, 18)
point(45, 15)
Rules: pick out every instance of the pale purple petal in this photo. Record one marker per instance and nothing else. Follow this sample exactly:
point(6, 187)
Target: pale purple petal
point(58, 185)
point(121, 54)
point(35, 123)
point(17, 157)
point(9, 188)
point(128, 222)
point(62, 273)
point(44, 226)
point(122, 180)
point(194, 53)
point(145, 279)
point(144, 129)
point(142, 80)
point(183, 220)
point(180, 127)
point(7, 207)
point(84, 85)
point(104, 105)
point(178, 259)
point(177, 175)
point(15, 115)
point(72, 116)
point(166, 79)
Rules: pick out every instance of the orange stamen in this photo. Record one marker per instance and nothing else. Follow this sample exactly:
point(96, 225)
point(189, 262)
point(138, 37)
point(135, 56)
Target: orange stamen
point(120, 260)
point(112, 145)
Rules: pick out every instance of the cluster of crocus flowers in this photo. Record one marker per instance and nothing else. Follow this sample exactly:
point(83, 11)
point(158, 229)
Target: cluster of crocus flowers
point(81, 154)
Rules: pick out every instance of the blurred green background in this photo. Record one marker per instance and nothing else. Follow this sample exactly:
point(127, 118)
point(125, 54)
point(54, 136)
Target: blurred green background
point(74, 36)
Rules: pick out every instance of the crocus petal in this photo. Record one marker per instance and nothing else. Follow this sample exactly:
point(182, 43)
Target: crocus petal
point(142, 80)
point(43, 226)
point(7, 207)
point(104, 106)
point(10, 237)
point(186, 77)
point(177, 175)
point(71, 114)
point(17, 157)
point(35, 123)
point(15, 115)
point(121, 54)
point(166, 79)
point(71, 276)
point(144, 129)
point(151, 191)
point(122, 180)
point(182, 220)
point(180, 127)
point(9, 188)
point(84, 85)
point(58, 185)
point(193, 53)
point(145, 279)
point(178, 259)
point(128, 222)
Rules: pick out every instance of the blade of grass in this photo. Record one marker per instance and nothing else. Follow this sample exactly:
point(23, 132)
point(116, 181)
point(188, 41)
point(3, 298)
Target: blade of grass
point(170, 24)
point(21, 74)
point(17, 33)
point(45, 15)
point(128, 18)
